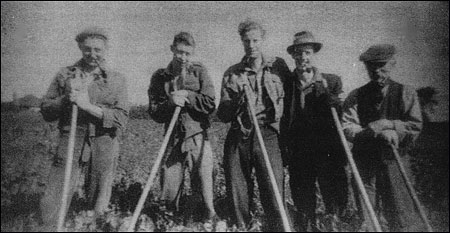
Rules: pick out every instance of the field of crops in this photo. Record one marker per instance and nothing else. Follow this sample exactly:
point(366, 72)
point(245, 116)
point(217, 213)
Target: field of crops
point(27, 144)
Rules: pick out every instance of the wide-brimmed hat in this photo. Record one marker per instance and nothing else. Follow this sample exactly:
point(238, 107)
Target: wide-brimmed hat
point(304, 38)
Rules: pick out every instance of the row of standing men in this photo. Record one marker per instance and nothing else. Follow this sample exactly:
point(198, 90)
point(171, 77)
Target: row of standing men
point(293, 113)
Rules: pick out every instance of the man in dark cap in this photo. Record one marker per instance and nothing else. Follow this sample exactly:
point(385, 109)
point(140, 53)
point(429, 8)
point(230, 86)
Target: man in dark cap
point(264, 77)
point(375, 116)
point(101, 97)
point(313, 145)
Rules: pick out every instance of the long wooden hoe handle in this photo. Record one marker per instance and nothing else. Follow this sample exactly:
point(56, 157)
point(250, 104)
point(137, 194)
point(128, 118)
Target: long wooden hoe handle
point(355, 172)
point(273, 182)
point(411, 190)
point(154, 170)
point(68, 170)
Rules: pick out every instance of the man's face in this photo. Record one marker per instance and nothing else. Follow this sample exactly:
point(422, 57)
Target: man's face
point(253, 42)
point(182, 53)
point(93, 50)
point(304, 56)
point(380, 71)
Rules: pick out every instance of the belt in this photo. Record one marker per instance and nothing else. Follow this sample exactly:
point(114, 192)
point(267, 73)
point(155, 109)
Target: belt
point(264, 123)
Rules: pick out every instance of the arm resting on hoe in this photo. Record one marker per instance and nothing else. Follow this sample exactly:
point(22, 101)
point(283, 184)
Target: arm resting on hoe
point(202, 101)
point(407, 128)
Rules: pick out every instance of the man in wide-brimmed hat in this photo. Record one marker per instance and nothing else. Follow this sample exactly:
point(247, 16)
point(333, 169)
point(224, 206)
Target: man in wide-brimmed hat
point(375, 116)
point(308, 130)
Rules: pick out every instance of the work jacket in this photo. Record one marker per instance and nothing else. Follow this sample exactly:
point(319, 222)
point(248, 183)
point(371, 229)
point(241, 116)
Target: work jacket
point(233, 108)
point(194, 117)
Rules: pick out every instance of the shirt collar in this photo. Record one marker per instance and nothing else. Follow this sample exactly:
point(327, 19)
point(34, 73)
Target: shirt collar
point(382, 84)
point(245, 63)
point(100, 71)
point(170, 68)
point(316, 77)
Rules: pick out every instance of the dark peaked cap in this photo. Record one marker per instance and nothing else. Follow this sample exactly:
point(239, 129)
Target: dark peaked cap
point(378, 53)
point(92, 31)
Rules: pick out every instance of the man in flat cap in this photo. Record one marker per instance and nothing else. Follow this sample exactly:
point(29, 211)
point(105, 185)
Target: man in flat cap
point(375, 116)
point(187, 84)
point(313, 145)
point(101, 97)
point(264, 76)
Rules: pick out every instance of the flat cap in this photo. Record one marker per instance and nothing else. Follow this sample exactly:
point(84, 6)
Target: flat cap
point(92, 31)
point(378, 53)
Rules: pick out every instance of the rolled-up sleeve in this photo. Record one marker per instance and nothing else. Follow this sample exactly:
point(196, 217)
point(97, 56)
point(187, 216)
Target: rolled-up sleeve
point(54, 100)
point(116, 115)
point(409, 128)
point(204, 100)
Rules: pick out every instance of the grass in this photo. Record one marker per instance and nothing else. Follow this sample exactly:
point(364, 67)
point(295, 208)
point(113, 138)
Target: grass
point(27, 144)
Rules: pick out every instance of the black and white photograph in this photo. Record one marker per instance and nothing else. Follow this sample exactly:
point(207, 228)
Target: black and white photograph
point(224, 116)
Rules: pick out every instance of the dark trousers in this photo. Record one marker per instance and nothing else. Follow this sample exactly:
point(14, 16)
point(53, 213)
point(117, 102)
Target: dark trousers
point(242, 154)
point(386, 190)
point(311, 161)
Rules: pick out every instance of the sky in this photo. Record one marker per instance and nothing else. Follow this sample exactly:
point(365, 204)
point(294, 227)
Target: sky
point(38, 38)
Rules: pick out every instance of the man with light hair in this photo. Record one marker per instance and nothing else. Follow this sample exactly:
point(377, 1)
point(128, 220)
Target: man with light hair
point(264, 76)
point(101, 97)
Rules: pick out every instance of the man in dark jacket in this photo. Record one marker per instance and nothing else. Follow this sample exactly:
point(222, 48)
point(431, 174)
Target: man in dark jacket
point(308, 129)
point(377, 115)
point(186, 84)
